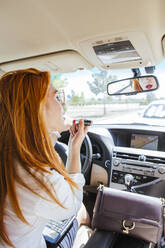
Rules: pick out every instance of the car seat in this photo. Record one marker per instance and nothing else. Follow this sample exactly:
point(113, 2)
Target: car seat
point(105, 239)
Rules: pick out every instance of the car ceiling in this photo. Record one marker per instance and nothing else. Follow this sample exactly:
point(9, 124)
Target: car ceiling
point(33, 28)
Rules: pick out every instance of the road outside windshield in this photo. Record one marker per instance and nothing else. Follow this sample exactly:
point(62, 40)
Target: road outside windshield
point(86, 97)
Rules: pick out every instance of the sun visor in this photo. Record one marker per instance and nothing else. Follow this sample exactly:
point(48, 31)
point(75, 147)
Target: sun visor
point(125, 50)
point(60, 62)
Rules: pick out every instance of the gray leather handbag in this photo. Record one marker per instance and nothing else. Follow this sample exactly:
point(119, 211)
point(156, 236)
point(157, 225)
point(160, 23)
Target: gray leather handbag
point(129, 213)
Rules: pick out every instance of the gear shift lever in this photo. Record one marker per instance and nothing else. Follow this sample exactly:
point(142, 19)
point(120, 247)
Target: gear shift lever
point(128, 179)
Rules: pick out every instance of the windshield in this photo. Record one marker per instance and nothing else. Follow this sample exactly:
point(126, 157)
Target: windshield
point(86, 97)
point(155, 111)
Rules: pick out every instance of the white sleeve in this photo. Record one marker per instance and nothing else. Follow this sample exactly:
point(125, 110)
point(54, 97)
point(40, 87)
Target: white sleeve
point(70, 200)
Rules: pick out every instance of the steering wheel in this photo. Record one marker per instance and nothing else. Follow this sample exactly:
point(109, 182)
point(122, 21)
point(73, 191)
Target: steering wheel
point(85, 153)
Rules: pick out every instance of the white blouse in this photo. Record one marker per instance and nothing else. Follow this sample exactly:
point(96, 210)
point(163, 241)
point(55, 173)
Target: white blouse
point(38, 211)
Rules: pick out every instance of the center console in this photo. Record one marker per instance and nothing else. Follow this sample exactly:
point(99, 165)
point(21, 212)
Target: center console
point(144, 165)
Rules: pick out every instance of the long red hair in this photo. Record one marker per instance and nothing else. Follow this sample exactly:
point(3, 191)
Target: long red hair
point(24, 138)
point(137, 86)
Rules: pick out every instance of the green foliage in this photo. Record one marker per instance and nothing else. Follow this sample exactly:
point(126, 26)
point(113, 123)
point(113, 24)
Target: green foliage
point(58, 82)
point(75, 99)
point(99, 85)
point(100, 81)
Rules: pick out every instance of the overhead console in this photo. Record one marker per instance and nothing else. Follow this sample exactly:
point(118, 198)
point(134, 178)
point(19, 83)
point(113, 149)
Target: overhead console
point(124, 50)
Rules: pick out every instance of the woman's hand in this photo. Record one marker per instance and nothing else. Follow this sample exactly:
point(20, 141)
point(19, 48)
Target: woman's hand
point(77, 135)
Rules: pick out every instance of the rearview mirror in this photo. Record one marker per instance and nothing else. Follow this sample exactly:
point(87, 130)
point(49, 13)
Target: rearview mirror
point(133, 85)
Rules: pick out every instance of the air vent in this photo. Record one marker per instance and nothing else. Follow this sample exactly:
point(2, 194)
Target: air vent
point(155, 160)
point(126, 155)
point(149, 159)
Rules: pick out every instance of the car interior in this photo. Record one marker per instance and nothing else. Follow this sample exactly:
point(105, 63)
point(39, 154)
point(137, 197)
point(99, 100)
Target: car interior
point(65, 37)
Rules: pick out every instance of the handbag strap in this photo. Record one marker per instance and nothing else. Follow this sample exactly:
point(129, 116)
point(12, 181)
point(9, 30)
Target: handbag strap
point(163, 204)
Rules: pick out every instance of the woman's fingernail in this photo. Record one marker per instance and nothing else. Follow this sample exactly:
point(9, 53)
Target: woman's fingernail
point(76, 127)
point(74, 121)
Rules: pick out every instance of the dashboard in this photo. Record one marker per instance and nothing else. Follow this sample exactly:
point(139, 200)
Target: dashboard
point(123, 154)
point(139, 138)
point(131, 151)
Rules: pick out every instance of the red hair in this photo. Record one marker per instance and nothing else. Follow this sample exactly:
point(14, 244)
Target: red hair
point(24, 137)
point(137, 86)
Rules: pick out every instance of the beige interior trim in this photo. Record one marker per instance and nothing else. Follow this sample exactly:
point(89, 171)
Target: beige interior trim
point(60, 62)
point(98, 175)
point(31, 28)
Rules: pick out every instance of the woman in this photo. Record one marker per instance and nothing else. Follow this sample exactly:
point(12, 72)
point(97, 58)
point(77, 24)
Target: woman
point(34, 184)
